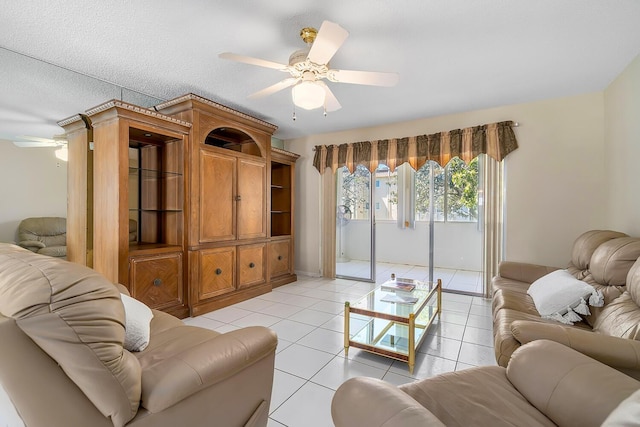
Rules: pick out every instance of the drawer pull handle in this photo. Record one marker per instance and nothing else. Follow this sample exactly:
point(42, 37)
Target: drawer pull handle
point(218, 271)
point(252, 265)
point(157, 282)
point(279, 257)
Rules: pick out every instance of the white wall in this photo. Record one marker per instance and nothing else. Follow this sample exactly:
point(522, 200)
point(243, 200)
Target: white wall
point(33, 182)
point(622, 136)
point(556, 180)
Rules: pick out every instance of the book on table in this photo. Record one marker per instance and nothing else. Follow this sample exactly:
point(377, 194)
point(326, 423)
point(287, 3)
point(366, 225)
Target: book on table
point(399, 299)
point(406, 285)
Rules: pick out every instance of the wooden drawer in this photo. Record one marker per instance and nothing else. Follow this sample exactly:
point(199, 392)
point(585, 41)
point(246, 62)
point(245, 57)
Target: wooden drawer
point(251, 265)
point(279, 258)
point(216, 272)
point(157, 280)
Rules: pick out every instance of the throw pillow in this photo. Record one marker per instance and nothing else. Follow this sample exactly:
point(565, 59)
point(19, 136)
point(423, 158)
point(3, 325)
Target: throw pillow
point(626, 414)
point(557, 294)
point(137, 324)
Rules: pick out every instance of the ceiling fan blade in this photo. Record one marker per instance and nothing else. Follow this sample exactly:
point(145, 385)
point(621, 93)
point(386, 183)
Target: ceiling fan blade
point(372, 78)
point(36, 138)
point(329, 39)
point(34, 144)
point(330, 101)
point(253, 61)
point(273, 88)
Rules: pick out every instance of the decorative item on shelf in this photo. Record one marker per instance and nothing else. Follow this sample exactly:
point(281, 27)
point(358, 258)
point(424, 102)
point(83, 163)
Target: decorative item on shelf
point(309, 66)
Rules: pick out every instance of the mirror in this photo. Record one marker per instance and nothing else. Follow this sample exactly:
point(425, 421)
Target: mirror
point(36, 95)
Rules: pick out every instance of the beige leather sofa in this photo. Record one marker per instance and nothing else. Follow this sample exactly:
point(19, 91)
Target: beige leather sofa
point(44, 235)
point(62, 361)
point(545, 384)
point(607, 260)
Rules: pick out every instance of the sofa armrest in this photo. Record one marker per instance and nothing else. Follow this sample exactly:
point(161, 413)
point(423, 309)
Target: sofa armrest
point(208, 363)
point(522, 271)
point(32, 245)
point(54, 251)
point(371, 402)
point(619, 353)
point(559, 382)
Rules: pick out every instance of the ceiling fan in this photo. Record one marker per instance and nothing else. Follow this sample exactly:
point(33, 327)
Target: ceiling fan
point(60, 141)
point(308, 67)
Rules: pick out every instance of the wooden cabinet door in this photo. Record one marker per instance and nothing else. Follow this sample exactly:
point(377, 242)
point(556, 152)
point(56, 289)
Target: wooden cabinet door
point(216, 272)
point(252, 203)
point(157, 280)
point(217, 193)
point(251, 265)
point(279, 258)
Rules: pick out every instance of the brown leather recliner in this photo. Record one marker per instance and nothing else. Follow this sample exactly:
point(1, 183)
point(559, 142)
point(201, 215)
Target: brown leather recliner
point(62, 360)
point(603, 259)
point(44, 235)
point(545, 384)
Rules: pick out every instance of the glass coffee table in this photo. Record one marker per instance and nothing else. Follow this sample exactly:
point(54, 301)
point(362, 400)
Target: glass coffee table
point(392, 320)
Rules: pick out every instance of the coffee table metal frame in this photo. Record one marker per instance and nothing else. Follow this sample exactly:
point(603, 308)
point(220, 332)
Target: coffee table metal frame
point(408, 319)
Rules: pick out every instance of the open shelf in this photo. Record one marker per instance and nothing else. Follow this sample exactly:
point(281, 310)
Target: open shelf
point(156, 187)
point(281, 199)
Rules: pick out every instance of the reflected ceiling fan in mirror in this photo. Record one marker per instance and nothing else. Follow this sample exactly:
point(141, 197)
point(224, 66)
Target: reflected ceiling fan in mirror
point(60, 141)
point(309, 67)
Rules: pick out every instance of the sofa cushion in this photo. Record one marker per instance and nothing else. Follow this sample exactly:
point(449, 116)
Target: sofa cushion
point(483, 387)
point(558, 291)
point(76, 316)
point(584, 247)
point(612, 260)
point(633, 282)
point(621, 318)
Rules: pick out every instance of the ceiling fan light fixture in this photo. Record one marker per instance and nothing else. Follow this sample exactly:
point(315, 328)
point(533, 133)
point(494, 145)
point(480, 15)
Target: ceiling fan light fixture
point(308, 95)
point(62, 153)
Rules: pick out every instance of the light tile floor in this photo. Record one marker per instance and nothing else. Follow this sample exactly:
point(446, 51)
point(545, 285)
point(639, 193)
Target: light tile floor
point(456, 280)
point(310, 363)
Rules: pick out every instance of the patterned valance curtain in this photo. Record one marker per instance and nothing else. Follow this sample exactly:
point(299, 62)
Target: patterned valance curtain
point(494, 139)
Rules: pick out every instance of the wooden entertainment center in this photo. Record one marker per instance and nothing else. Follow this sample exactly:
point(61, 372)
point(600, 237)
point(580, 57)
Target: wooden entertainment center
point(193, 210)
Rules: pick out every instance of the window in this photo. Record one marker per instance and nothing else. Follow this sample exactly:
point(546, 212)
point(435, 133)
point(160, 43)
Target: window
point(386, 193)
point(355, 190)
point(455, 191)
point(400, 194)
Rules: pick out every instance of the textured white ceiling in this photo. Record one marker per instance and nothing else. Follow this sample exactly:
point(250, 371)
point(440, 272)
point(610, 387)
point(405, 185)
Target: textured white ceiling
point(452, 55)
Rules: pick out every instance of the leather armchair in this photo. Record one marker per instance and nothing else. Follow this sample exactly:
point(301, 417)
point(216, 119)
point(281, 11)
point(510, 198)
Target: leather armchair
point(544, 384)
point(66, 364)
point(44, 235)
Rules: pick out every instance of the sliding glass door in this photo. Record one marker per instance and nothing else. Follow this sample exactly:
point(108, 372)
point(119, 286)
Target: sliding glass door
point(355, 225)
point(425, 224)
